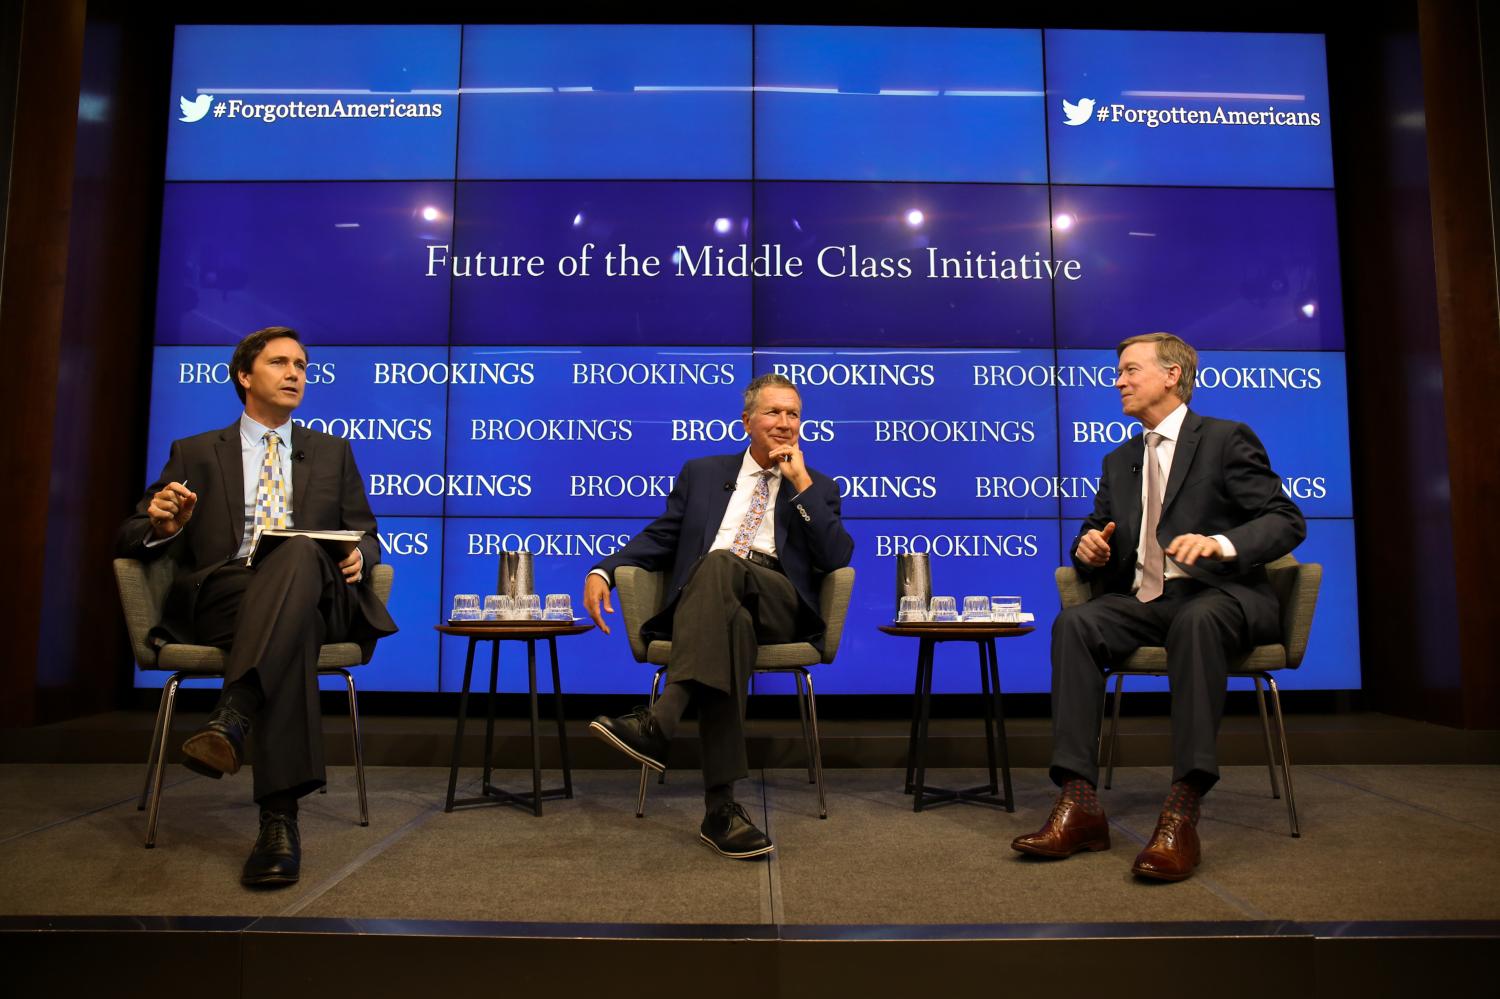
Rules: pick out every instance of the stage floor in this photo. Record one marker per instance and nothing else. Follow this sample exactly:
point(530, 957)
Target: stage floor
point(1379, 843)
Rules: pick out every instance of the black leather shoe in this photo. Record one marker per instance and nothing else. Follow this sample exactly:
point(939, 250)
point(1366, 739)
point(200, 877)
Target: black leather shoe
point(637, 736)
point(276, 858)
point(729, 831)
point(218, 747)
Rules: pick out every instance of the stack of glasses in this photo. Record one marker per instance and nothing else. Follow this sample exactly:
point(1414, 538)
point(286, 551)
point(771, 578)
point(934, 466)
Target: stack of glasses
point(499, 607)
point(1000, 610)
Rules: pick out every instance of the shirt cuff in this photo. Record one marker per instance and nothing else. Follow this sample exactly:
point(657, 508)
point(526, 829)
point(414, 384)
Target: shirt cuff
point(1225, 546)
point(604, 576)
point(152, 542)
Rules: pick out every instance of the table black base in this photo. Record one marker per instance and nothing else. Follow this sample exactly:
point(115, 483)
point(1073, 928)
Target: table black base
point(491, 795)
point(994, 725)
point(984, 794)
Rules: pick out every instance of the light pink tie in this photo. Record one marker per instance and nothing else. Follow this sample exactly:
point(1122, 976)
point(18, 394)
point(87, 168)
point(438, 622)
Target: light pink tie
point(1153, 562)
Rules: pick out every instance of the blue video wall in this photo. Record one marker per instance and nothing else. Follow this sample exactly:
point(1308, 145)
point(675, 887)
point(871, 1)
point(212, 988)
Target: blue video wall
point(536, 265)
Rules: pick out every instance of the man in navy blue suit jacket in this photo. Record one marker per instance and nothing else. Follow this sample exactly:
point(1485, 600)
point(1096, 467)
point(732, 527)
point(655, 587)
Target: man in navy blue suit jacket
point(1196, 584)
point(747, 538)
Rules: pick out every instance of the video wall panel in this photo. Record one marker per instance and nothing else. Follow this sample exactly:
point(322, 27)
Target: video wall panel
point(535, 266)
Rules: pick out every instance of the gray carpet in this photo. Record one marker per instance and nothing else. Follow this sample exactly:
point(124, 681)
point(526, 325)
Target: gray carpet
point(1378, 843)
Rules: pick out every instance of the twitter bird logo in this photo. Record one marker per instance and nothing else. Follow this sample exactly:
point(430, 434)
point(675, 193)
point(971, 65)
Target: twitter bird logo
point(1077, 113)
point(193, 110)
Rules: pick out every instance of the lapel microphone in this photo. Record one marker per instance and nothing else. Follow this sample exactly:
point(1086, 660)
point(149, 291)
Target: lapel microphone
point(298, 455)
point(729, 487)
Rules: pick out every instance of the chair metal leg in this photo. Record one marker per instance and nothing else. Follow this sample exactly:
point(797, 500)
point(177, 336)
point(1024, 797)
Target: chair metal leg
point(169, 697)
point(817, 747)
point(640, 801)
point(156, 743)
point(1265, 727)
point(359, 752)
point(797, 676)
point(1114, 734)
point(1286, 758)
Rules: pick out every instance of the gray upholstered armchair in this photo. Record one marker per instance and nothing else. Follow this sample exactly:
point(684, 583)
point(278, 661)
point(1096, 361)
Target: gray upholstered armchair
point(143, 593)
point(1296, 585)
point(642, 595)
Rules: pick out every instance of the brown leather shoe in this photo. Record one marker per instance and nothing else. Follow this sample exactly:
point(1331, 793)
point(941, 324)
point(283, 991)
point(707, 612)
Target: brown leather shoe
point(1173, 851)
point(1068, 830)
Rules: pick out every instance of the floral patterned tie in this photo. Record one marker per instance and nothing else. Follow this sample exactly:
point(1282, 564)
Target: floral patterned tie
point(753, 516)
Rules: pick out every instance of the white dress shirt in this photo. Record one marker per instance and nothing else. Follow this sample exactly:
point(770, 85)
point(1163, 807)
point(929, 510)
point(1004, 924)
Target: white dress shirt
point(1170, 429)
point(739, 504)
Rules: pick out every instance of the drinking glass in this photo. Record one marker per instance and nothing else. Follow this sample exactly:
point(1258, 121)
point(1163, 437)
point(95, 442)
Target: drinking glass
point(528, 607)
point(465, 607)
point(943, 609)
point(497, 607)
point(1006, 610)
point(976, 608)
point(911, 609)
point(559, 608)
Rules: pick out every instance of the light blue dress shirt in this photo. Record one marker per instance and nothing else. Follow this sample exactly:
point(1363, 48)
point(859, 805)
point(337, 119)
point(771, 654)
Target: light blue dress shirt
point(252, 456)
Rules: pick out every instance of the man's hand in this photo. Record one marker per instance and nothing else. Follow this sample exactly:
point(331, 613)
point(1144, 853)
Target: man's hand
point(353, 567)
point(793, 468)
point(596, 592)
point(1186, 549)
point(1093, 547)
point(170, 510)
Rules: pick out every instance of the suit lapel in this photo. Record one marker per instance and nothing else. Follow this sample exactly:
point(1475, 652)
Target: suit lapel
point(301, 468)
point(1128, 527)
point(232, 471)
point(783, 508)
point(1182, 457)
point(730, 470)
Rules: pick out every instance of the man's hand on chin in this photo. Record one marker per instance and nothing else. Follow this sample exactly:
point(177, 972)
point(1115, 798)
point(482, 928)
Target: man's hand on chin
point(793, 467)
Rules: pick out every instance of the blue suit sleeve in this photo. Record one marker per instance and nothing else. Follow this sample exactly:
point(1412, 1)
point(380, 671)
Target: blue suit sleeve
point(654, 548)
point(818, 518)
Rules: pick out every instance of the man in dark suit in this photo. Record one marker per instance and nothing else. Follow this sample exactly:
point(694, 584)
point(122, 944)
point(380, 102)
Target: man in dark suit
point(748, 538)
point(1186, 516)
point(261, 472)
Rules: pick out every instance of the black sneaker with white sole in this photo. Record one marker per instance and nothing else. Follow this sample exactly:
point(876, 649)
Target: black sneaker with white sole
point(730, 833)
point(637, 736)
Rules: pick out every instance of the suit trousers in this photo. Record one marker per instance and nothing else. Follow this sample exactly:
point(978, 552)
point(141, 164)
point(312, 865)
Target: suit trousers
point(1203, 629)
point(728, 608)
point(272, 618)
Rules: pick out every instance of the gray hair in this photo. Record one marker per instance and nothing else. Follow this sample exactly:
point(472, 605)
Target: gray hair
point(1170, 350)
point(752, 391)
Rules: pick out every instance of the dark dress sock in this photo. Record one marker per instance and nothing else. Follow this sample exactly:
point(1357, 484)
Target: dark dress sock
point(283, 802)
point(719, 794)
point(244, 695)
point(1183, 800)
point(1083, 794)
point(669, 707)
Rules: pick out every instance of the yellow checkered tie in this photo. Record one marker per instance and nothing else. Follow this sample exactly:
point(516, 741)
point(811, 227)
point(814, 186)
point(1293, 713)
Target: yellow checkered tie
point(270, 490)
